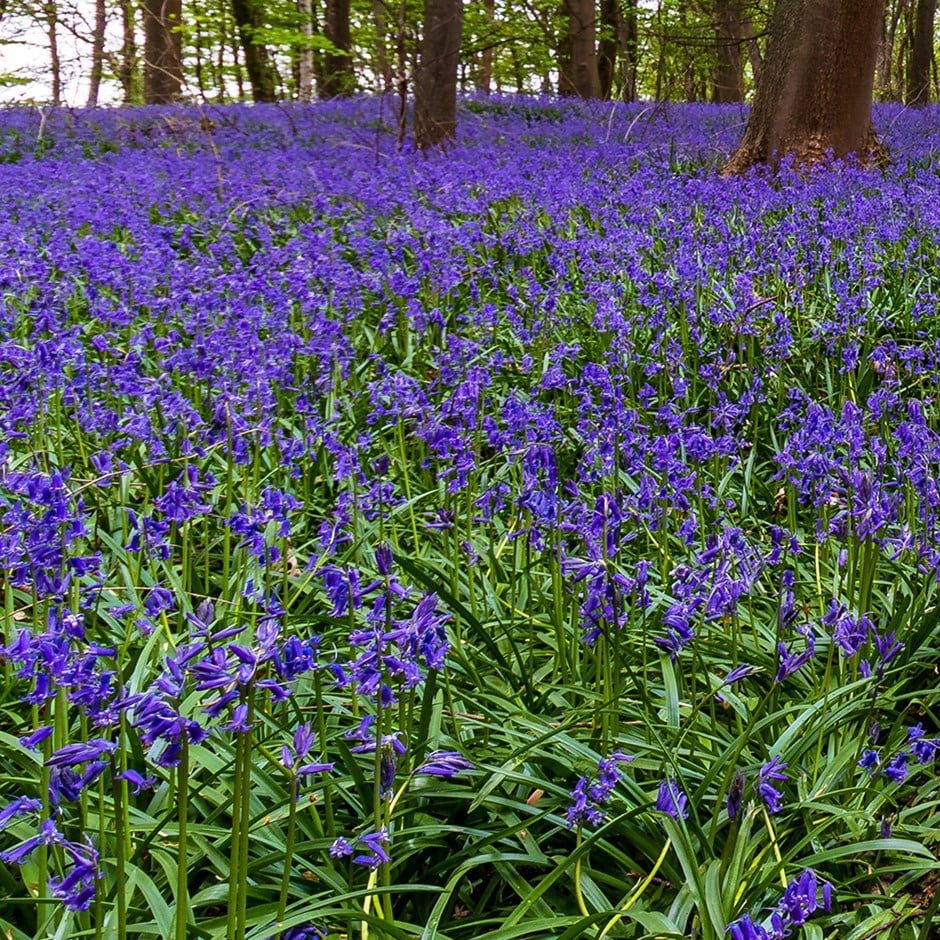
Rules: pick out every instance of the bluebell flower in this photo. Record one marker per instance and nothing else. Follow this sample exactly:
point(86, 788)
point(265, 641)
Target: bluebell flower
point(136, 780)
point(735, 795)
point(803, 896)
point(341, 848)
point(443, 764)
point(375, 853)
point(303, 932)
point(18, 806)
point(671, 800)
point(773, 798)
point(870, 760)
point(587, 799)
point(896, 768)
point(793, 662)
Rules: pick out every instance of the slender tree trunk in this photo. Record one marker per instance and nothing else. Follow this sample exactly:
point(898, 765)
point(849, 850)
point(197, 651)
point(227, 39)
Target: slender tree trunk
point(814, 100)
point(55, 64)
point(883, 66)
point(436, 78)
point(383, 64)
point(401, 62)
point(305, 63)
point(563, 57)
point(581, 76)
point(484, 74)
point(902, 47)
point(611, 46)
point(127, 70)
point(249, 18)
point(728, 77)
point(518, 71)
point(338, 78)
point(97, 53)
point(753, 49)
point(631, 50)
point(918, 76)
point(200, 52)
point(163, 69)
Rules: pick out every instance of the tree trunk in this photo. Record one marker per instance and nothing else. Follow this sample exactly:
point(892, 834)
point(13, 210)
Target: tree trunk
point(436, 78)
point(631, 50)
point(728, 77)
point(611, 46)
point(883, 66)
point(338, 78)
point(127, 71)
point(163, 69)
point(902, 47)
point(249, 17)
point(55, 64)
point(918, 76)
point(484, 74)
point(753, 49)
point(383, 63)
point(581, 76)
point(305, 60)
point(814, 99)
point(97, 53)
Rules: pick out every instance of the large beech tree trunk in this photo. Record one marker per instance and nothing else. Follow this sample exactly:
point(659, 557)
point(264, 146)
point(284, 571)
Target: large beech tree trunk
point(814, 98)
point(436, 78)
point(579, 75)
point(338, 78)
point(163, 70)
point(918, 77)
point(249, 18)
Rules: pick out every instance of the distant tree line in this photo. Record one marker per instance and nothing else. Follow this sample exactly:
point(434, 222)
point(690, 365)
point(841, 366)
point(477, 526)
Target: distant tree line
point(816, 65)
point(160, 51)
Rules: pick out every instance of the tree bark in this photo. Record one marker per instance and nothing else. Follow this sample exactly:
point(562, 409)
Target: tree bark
point(581, 76)
point(55, 63)
point(305, 59)
point(753, 49)
point(814, 99)
point(163, 68)
point(338, 78)
point(128, 66)
point(249, 17)
point(611, 46)
point(631, 50)
point(97, 53)
point(383, 63)
point(728, 77)
point(484, 74)
point(436, 79)
point(918, 76)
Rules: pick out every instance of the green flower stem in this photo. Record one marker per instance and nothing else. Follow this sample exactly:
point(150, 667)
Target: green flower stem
point(638, 893)
point(321, 740)
point(288, 849)
point(245, 820)
point(231, 928)
point(775, 846)
point(579, 896)
point(182, 869)
point(118, 790)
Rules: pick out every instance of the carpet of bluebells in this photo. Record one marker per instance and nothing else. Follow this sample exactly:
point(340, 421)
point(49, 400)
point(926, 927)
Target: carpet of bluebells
point(540, 539)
